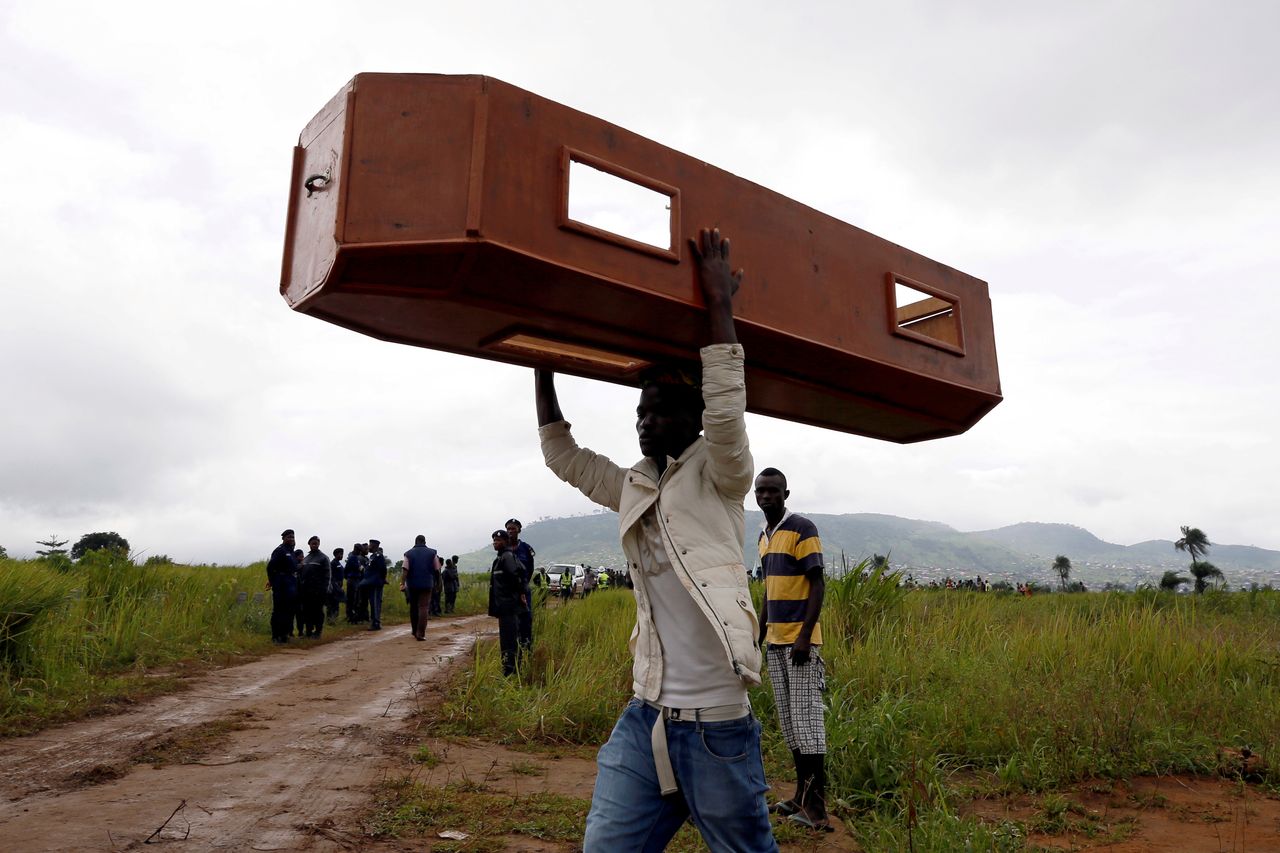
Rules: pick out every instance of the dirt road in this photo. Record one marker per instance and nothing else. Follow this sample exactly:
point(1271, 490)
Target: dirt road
point(279, 753)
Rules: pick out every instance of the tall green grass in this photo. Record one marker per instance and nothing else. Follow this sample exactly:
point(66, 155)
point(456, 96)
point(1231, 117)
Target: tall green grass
point(938, 696)
point(23, 600)
point(76, 636)
point(1051, 689)
point(570, 687)
point(92, 631)
point(473, 594)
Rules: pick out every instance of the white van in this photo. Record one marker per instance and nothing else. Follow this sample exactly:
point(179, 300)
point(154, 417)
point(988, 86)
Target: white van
point(556, 570)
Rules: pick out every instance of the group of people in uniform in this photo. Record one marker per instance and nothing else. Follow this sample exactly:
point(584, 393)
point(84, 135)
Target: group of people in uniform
point(308, 588)
point(510, 596)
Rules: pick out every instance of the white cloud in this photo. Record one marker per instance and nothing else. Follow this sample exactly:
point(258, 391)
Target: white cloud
point(1108, 169)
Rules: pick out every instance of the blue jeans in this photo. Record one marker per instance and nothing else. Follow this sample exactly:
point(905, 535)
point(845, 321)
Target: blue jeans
point(721, 777)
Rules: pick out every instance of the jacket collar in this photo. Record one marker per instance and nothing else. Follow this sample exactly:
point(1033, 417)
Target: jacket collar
point(649, 469)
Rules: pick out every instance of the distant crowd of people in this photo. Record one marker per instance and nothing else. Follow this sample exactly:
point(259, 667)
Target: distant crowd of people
point(977, 584)
point(309, 588)
point(974, 584)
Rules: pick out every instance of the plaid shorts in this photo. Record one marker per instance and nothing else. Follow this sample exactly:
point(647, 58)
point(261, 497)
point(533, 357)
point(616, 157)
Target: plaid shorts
point(797, 692)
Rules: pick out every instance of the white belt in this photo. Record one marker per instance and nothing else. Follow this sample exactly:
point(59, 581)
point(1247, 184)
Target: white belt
point(658, 737)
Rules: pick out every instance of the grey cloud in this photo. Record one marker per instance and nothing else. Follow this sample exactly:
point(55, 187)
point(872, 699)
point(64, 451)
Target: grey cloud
point(1108, 169)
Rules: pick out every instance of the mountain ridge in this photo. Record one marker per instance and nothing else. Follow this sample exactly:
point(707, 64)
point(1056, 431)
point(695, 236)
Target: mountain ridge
point(931, 550)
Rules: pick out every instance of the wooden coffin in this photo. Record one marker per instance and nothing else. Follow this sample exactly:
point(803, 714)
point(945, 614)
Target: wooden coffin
point(448, 212)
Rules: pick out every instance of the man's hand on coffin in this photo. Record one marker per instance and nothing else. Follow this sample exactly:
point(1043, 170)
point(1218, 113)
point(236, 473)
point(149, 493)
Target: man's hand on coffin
point(719, 282)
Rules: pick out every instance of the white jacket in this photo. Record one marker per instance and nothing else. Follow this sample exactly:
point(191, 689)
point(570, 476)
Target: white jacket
point(699, 508)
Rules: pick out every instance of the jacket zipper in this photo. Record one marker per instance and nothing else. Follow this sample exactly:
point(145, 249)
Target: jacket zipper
point(728, 644)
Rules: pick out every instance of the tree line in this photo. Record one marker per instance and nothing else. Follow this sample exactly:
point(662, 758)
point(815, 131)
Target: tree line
point(54, 548)
point(1193, 542)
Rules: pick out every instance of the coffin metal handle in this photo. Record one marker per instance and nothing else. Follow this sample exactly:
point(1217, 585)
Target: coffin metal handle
point(315, 184)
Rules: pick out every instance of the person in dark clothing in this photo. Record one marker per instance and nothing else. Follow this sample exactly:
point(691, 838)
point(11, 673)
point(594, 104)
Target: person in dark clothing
point(524, 554)
point(507, 599)
point(298, 556)
point(437, 588)
point(354, 573)
point(419, 574)
point(282, 582)
point(313, 586)
point(375, 578)
point(450, 580)
point(335, 596)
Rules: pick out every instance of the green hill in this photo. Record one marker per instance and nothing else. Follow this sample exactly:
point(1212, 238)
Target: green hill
point(1033, 537)
point(928, 549)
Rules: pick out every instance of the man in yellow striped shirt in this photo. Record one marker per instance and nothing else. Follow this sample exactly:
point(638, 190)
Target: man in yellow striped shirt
point(791, 557)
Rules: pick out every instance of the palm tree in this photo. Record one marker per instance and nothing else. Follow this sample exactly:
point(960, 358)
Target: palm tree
point(1172, 580)
point(1062, 566)
point(1202, 571)
point(1194, 542)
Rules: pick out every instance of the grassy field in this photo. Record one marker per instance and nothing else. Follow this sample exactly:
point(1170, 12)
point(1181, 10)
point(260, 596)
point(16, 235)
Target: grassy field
point(938, 698)
point(79, 638)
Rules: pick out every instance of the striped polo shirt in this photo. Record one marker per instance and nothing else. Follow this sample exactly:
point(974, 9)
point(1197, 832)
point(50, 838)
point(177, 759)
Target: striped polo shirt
point(787, 553)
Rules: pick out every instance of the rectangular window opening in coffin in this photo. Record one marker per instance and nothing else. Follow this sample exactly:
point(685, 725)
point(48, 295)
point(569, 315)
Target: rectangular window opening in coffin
point(925, 314)
point(610, 203)
point(564, 355)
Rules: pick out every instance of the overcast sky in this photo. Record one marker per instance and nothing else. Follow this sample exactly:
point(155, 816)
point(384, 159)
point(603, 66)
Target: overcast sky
point(1109, 168)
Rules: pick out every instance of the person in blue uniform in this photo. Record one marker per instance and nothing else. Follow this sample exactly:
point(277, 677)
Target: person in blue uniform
point(524, 553)
point(449, 577)
point(335, 596)
point(354, 573)
point(283, 583)
point(313, 587)
point(297, 586)
point(437, 580)
point(375, 578)
point(507, 599)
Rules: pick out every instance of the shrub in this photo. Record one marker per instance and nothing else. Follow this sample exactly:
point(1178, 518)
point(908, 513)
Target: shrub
point(110, 541)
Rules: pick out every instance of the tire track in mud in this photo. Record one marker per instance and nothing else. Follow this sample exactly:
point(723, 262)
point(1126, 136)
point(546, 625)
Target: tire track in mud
point(303, 735)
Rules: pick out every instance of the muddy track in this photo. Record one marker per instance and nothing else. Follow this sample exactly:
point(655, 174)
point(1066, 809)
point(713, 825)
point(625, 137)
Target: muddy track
point(277, 754)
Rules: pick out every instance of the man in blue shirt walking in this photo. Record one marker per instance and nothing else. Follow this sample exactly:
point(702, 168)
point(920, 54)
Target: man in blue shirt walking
point(418, 575)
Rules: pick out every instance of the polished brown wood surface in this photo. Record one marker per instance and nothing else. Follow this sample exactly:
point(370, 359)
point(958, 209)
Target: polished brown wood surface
point(433, 210)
